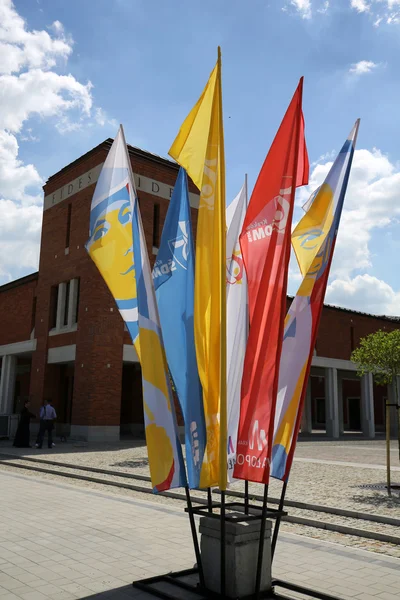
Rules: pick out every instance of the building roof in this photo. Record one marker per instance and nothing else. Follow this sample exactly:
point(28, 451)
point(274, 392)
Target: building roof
point(106, 145)
point(18, 282)
point(359, 312)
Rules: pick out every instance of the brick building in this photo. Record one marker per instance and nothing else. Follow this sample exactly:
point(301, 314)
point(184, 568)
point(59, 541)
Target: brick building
point(61, 335)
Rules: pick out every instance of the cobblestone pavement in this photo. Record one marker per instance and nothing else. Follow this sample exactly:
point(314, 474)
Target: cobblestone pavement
point(63, 542)
point(314, 479)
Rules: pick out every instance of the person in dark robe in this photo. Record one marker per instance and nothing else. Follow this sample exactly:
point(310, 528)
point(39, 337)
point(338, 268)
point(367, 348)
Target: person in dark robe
point(22, 437)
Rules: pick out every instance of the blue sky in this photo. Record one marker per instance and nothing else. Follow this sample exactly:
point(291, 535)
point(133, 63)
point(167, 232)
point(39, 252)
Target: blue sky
point(147, 62)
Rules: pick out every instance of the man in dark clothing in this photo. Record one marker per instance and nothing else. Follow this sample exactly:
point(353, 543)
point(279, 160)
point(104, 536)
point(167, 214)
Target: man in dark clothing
point(47, 418)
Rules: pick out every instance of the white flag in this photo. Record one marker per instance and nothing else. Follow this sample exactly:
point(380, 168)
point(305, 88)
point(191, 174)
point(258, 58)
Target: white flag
point(236, 318)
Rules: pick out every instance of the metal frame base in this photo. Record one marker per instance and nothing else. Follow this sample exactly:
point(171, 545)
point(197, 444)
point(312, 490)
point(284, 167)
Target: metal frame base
point(249, 512)
point(176, 584)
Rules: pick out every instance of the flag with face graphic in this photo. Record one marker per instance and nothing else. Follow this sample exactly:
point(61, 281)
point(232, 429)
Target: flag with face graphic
point(314, 241)
point(236, 318)
point(173, 277)
point(265, 243)
point(117, 246)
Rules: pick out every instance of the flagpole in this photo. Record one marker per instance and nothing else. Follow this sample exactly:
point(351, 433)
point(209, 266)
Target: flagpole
point(246, 483)
point(194, 537)
point(209, 500)
point(278, 520)
point(223, 383)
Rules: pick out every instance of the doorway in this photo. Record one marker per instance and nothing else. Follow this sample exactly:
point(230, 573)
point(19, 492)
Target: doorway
point(354, 413)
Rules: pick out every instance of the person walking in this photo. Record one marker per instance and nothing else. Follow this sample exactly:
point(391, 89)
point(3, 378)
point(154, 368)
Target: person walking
point(22, 436)
point(47, 418)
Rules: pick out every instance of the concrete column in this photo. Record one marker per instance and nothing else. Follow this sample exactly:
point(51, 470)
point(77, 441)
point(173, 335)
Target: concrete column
point(367, 406)
point(73, 300)
point(306, 420)
point(62, 292)
point(7, 384)
point(331, 403)
point(340, 401)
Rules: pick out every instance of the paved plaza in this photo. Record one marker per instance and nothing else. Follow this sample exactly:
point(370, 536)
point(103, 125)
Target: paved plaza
point(62, 542)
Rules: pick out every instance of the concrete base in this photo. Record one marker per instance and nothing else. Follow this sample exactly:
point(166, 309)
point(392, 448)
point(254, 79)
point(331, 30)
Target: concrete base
point(242, 540)
point(95, 433)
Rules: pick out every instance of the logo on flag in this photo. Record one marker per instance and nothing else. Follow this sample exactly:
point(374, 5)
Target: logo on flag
point(179, 246)
point(234, 267)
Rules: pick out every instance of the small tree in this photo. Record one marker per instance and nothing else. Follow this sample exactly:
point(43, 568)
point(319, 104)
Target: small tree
point(379, 354)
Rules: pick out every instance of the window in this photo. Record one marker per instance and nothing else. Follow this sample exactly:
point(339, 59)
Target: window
point(68, 226)
point(75, 301)
point(67, 303)
point(352, 338)
point(64, 306)
point(53, 306)
point(156, 225)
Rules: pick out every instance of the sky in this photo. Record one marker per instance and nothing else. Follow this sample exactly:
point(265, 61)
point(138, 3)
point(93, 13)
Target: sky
point(71, 72)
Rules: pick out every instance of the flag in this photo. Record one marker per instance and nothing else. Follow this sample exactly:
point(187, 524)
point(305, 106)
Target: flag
point(199, 148)
point(236, 317)
point(265, 243)
point(314, 241)
point(173, 276)
point(117, 246)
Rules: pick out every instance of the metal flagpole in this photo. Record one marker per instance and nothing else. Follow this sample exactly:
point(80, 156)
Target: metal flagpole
point(261, 543)
point(246, 483)
point(278, 520)
point(222, 516)
point(194, 536)
point(209, 500)
point(246, 497)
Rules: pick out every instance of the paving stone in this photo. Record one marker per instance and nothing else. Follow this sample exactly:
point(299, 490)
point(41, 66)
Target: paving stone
point(103, 527)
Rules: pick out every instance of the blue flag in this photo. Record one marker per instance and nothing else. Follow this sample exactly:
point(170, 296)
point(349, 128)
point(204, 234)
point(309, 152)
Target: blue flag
point(173, 276)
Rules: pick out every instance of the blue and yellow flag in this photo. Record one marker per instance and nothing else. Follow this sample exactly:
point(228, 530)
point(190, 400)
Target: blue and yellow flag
point(173, 276)
point(118, 248)
point(199, 148)
point(314, 241)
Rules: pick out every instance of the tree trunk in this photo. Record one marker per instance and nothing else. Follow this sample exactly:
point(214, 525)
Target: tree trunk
point(389, 490)
point(398, 414)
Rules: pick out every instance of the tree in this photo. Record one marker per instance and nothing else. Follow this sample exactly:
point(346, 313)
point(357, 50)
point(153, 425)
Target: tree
point(379, 354)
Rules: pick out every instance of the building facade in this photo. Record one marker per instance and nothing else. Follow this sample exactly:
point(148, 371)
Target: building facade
point(61, 336)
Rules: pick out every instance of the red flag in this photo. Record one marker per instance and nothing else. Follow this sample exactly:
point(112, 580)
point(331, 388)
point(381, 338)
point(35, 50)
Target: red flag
point(265, 244)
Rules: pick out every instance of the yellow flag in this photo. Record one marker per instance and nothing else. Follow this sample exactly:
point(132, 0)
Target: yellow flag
point(312, 229)
point(199, 148)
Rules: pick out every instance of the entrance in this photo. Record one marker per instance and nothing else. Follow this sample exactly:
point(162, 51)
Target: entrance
point(132, 416)
point(354, 412)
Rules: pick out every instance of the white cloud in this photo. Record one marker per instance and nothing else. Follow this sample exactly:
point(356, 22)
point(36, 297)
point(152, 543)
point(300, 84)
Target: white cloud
point(20, 228)
point(15, 177)
point(102, 118)
point(360, 5)
point(366, 293)
point(324, 8)
point(43, 93)
point(362, 67)
point(387, 11)
point(303, 7)
point(30, 86)
point(371, 205)
point(20, 48)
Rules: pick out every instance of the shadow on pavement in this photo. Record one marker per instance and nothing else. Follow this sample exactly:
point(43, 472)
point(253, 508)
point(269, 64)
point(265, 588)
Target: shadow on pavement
point(124, 593)
point(379, 499)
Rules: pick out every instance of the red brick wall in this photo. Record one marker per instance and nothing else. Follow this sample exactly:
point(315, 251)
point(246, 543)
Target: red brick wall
point(16, 306)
